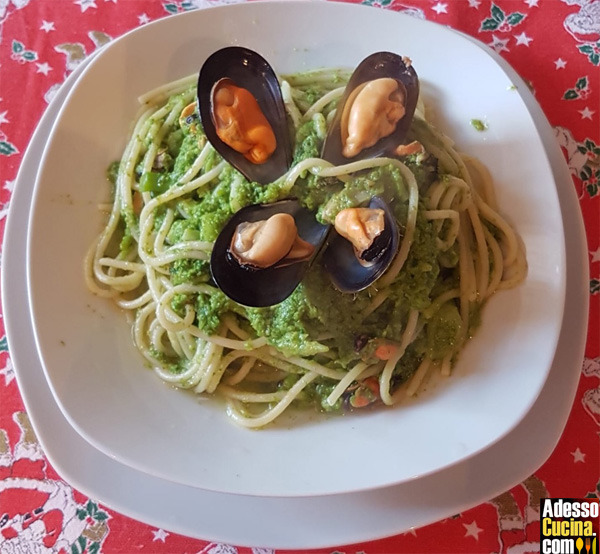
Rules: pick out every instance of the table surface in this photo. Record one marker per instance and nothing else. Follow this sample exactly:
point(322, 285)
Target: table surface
point(554, 45)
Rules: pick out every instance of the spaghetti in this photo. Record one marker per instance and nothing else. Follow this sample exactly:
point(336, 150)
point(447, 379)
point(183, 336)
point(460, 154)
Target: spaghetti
point(172, 195)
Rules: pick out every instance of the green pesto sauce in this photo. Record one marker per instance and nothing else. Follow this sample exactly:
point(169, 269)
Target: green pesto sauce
point(315, 308)
point(315, 313)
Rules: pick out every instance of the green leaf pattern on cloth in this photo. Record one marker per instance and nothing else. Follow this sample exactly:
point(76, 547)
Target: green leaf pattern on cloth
point(21, 54)
point(580, 90)
point(592, 51)
point(590, 172)
point(7, 148)
point(500, 21)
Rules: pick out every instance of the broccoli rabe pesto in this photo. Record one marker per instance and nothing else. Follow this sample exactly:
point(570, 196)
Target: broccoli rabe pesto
point(315, 309)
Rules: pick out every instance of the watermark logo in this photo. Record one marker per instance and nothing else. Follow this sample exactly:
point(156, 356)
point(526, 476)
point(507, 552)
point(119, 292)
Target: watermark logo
point(569, 526)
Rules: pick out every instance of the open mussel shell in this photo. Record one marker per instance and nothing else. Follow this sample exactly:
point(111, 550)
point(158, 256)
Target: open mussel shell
point(347, 272)
point(248, 70)
point(269, 286)
point(375, 66)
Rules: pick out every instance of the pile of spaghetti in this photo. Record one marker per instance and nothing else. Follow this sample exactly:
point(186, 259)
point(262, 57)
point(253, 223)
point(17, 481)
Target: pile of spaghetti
point(173, 194)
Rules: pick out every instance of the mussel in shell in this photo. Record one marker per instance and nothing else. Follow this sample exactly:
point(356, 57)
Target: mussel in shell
point(354, 264)
point(243, 114)
point(375, 111)
point(260, 257)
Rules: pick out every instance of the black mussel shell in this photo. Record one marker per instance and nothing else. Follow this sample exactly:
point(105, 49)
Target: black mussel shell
point(248, 70)
point(347, 273)
point(375, 66)
point(263, 287)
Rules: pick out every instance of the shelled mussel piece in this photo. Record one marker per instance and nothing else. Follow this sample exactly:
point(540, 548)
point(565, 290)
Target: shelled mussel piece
point(264, 250)
point(362, 247)
point(375, 111)
point(243, 114)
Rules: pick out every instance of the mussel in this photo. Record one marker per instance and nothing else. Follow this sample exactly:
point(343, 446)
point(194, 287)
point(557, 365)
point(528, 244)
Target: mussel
point(264, 279)
point(351, 267)
point(375, 111)
point(243, 114)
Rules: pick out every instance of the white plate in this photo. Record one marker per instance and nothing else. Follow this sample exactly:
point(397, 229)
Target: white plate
point(100, 381)
point(261, 521)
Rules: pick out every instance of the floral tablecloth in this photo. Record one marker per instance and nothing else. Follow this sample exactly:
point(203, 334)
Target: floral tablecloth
point(553, 44)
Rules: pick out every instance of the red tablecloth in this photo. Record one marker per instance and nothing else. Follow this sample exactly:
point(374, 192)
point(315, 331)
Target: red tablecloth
point(553, 44)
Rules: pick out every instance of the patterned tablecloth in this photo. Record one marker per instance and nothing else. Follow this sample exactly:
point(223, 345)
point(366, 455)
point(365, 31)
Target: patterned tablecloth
point(553, 44)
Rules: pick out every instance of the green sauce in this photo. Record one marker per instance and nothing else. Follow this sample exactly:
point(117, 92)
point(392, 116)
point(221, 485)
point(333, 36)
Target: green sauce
point(478, 125)
point(316, 316)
